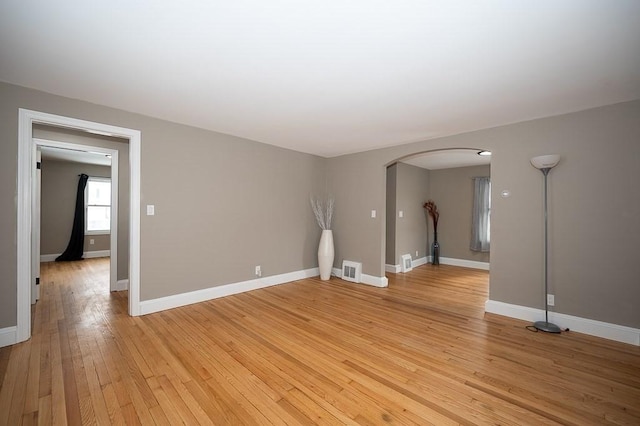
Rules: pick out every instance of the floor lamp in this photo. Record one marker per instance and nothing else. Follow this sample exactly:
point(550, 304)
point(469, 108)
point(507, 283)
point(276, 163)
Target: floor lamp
point(545, 163)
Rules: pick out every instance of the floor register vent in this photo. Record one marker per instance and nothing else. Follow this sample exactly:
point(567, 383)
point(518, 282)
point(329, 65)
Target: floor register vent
point(407, 264)
point(351, 271)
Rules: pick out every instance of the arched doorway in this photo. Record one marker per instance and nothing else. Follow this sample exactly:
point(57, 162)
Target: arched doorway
point(447, 177)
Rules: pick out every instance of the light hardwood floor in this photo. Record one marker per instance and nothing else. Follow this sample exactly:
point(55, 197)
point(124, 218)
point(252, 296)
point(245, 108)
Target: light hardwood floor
point(419, 352)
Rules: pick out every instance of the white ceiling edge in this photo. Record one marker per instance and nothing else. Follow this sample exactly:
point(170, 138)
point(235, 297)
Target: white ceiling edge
point(448, 159)
point(73, 156)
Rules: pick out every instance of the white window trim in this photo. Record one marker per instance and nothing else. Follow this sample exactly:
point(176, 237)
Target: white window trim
point(86, 205)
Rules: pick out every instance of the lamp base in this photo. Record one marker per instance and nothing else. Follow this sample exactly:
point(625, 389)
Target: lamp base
point(547, 326)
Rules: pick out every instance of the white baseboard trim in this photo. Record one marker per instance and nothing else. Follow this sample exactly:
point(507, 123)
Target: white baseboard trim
point(419, 261)
point(395, 269)
point(365, 279)
point(86, 255)
point(374, 281)
point(619, 333)
point(8, 336)
point(464, 263)
point(122, 285)
point(183, 299)
point(97, 253)
point(443, 260)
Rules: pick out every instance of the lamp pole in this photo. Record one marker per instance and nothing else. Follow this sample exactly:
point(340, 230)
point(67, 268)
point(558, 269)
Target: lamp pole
point(545, 163)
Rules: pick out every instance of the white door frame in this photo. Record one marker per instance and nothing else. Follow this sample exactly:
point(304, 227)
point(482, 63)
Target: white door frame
point(35, 222)
point(113, 237)
point(26, 149)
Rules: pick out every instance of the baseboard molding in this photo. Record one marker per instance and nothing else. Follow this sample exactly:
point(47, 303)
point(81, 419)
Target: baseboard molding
point(395, 269)
point(86, 255)
point(619, 333)
point(374, 281)
point(464, 263)
point(365, 279)
point(183, 299)
point(8, 336)
point(122, 285)
point(419, 261)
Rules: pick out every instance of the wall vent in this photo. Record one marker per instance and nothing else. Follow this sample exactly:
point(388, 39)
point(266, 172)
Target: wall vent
point(351, 271)
point(407, 263)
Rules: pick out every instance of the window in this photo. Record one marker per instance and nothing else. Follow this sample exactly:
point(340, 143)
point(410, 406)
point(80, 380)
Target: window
point(98, 206)
point(481, 215)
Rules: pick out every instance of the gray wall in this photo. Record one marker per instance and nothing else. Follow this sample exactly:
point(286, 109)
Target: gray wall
point(122, 146)
point(223, 204)
point(390, 236)
point(412, 190)
point(452, 191)
point(59, 188)
point(594, 209)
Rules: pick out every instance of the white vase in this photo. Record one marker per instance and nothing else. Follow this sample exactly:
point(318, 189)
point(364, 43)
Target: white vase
point(325, 254)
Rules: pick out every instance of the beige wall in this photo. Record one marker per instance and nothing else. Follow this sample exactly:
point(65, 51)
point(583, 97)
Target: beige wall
point(452, 191)
point(412, 190)
point(594, 209)
point(122, 146)
point(225, 204)
point(390, 236)
point(59, 190)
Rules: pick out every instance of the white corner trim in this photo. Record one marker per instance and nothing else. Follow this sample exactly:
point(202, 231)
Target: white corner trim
point(183, 299)
point(8, 336)
point(366, 279)
point(395, 269)
point(86, 255)
point(619, 333)
point(464, 263)
point(374, 281)
point(122, 285)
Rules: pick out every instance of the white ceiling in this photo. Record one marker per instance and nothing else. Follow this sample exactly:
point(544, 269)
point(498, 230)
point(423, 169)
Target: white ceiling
point(447, 159)
point(328, 77)
point(60, 154)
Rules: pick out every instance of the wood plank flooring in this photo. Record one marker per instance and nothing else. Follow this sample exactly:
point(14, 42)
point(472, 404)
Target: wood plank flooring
point(419, 352)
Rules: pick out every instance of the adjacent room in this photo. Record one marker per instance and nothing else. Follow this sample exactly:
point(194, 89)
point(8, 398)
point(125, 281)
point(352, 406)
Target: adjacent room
point(291, 236)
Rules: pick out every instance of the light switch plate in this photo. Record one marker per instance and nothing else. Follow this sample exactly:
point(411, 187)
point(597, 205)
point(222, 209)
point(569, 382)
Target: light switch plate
point(151, 210)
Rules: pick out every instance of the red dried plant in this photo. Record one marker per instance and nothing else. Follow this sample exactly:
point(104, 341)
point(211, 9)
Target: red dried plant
point(432, 209)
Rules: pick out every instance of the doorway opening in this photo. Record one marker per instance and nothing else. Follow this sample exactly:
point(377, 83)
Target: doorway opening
point(27, 149)
point(54, 199)
point(445, 176)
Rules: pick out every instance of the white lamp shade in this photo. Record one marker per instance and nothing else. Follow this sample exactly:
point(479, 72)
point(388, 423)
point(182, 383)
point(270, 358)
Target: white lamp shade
point(545, 161)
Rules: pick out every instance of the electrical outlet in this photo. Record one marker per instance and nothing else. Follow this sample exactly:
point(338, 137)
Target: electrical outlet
point(551, 299)
point(258, 271)
point(416, 253)
point(92, 241)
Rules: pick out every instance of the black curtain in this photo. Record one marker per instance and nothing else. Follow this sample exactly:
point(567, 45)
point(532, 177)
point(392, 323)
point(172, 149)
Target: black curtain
point(75, 248)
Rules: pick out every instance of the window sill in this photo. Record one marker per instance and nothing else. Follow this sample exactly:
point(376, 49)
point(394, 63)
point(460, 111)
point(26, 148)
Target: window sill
point(97, 232)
